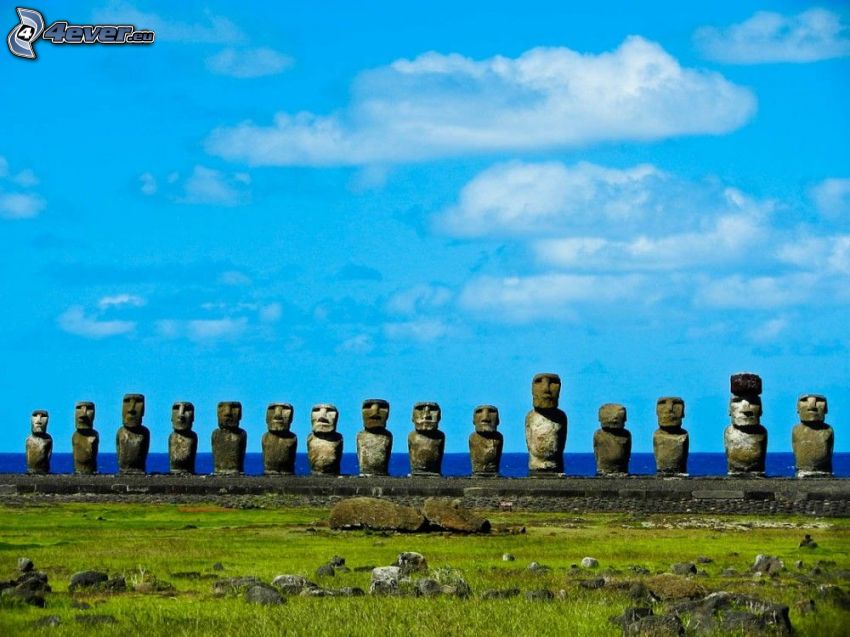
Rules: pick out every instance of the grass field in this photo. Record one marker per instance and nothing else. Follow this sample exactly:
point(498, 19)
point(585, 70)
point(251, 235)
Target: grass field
point(148, 543)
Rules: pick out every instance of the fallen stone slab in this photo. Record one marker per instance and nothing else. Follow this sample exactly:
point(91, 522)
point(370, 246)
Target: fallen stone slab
point(451, 515)
point(375, 514)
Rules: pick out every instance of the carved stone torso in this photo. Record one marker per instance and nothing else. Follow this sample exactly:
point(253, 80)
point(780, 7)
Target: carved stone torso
point(324, 451)
point(485, 453)
point(612, 449)
point(39, 452)
point(182, 451)
point(85, 444)
point(671, 451)
point(228, 447)
point(132, 444)
point(746, 448)
point(425, 450)
point(546, 437)
point(374, 447)
point(812, 445)
point(279, 452)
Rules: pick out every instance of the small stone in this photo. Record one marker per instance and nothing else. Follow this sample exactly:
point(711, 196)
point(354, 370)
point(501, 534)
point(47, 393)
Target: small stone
point(703, 559)
point(350, 591)
point(263, 595)
point(798, 564)
point(411, 562)
point(506, 593)
point(806, 542)
point(234, 585)
point(631, 615)
point(46, 622)
point(337, 561)
point(541, 594)
point(639, 570)
point(655, 626)
point(767, 564)
point(728, 572)
point(538, 569)
point(589, 562)
point(94, 620)
point(386, 574)
point(87, 579)
point(592, 584)
point(325, 570)
point(683, 568)
point(34, 581)
point(805, 606)
point(639, 592)
point(428, 587)
point(186, 575)
point(218, 566)
point(508, 557)
point(80, 605)
point(25, 565)
point(315, 592)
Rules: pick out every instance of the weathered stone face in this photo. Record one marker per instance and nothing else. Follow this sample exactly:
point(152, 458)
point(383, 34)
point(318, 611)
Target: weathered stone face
point(39, 445)
point(813, 444)
point(182, 416)
point(279, 416)
point(612, 448)
point(132, 410)
point(671, 445)
point(745, 412)
point(84, 415)
point(229, 414)
point(323, 418)
point(426, 416)
point(485, 418)
point(812, 408)
point(545, 391)
point(612, 416)
point(746, 448)
point(670, 411)
point(376, 412)
point(132, 441)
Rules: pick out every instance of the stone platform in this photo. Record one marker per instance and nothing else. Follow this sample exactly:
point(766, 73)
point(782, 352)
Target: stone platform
point(639, 494)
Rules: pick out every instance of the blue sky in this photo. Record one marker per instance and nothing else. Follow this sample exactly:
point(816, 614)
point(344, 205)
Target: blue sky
point(287, 202)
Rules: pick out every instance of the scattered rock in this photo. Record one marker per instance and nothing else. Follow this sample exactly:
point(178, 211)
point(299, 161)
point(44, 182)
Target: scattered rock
point(538, 569)
point(411, 562)
point(798, 565)
point(805, 606)
point(385, 580)
point(592, 584)
point(116, 584)
point(655, 626)
point(315, 592)
point(25, 565)
point(87, 580)
point(630, 616)
point(541, 594)
point(589, 562)
point(218, 566)
point(34, 581)
point(808, 542)
point(670, 587)
point(767, 564)
point(292, 584)
point(376, 514)
point(186, 575)
point(23, 596)
point(325, 570)
point(336, 561)
point(728, 572)
point(683, 568)
point(638, 592)
point(428, 587)
point(703, 559)
point(263, 595)
point(93, 620)
point(734, 613)
point(508, 557)
point(46, 622)
point(505, 593)
point(232, 585)
point(639, 570)
point(350, 591)
point(452, 582)
point(80, 605)
point(451, 515)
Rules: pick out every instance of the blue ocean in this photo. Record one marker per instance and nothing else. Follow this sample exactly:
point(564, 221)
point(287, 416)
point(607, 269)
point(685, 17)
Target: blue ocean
point(514, 465)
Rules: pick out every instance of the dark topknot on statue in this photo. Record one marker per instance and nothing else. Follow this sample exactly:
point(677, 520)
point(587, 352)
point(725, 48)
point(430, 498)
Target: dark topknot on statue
point(745, 384)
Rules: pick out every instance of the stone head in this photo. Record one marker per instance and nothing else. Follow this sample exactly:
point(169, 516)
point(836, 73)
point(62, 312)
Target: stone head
point(545, 391)
point(38, 422)
point(612, 416)
point(84, 415)
point(745, 411)
point(279, 416)
point(426, 416)
point(182, 416)
point(812, 408)
point(132, 410)
point(485, 418)
point(323, 418)
point(229, 414)
point(670, 411)
point(745, 384)
point(376, 412)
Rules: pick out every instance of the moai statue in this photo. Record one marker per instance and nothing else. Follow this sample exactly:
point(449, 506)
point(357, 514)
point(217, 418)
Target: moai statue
point(812, 439)
point(612, 443)
point(670, 441)
point(324, 444)
point(426, 443)
point(85, 439)
point(39, 444)
point(374, 441)
point(485, 443)
point(182, 442)
point(545, 428)
point(229, 441)
point(133, 439)
point(745, 439)
point(279, 443)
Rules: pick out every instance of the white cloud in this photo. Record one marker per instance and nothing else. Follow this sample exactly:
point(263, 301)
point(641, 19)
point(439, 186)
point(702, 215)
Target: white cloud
point(211, 30)
point(815, 34)
point(203, 330)
point(117, 300)
point(420, 298)
point(271, 313)
point(249, 63)
point(824, 254)
point(26, 178)
point(769, 330)
point(75, 321)
point(551, 295)
point(20, 205)
point(148, 182)
point(832, 196)
point(759, 292)
point(445, 105)
point(206, 186)
point(422, 330)
point(234, 277)
point(360, 344)
point(4, 166)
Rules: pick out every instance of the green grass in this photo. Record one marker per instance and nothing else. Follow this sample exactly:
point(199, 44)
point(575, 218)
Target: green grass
point(141, 541)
